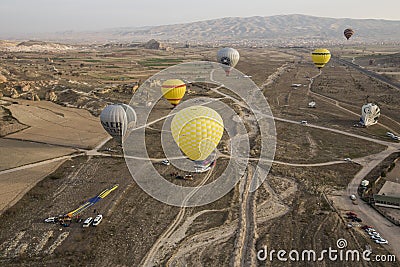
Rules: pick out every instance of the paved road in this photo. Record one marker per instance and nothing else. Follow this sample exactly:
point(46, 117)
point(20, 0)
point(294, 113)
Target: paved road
point(369, 73)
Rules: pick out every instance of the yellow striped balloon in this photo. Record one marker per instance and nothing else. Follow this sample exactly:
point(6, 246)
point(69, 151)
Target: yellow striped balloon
point(321, 57)
point(197, 131)
point(173, 90)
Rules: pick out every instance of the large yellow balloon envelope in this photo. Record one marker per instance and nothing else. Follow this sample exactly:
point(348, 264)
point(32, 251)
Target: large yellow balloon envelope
point(173, 90)
point(197, 131)
point(321, 57)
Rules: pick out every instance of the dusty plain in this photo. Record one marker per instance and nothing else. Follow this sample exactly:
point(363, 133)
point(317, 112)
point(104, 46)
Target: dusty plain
point(292, 209)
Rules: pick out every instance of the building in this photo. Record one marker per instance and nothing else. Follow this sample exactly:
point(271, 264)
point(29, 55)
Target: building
point(387, 201)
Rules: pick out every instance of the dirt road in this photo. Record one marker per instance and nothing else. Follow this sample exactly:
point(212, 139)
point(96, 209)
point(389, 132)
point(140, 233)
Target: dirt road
point(165, 243)
point(246, 237)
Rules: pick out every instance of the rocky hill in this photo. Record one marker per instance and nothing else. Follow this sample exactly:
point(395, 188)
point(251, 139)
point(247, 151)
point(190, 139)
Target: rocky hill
point(33, 46)
point(274, 28)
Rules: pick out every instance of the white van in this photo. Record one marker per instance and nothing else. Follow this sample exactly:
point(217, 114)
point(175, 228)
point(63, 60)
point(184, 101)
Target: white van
point(87, 222)
point(97, 220)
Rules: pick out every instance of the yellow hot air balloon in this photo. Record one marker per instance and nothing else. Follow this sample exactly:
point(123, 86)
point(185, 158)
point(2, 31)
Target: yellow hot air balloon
point(173, 90)
point(321, 57)
point(197, 131)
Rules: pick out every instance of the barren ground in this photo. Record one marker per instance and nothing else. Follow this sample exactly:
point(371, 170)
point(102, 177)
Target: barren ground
point(288, 211)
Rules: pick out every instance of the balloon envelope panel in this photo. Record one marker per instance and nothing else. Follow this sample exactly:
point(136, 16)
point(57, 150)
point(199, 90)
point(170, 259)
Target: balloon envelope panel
point(117, 118)
point(348, 33)
point(370, 114)
point(197, 130)
point(321, 57)
point(173, 90)
point(228, 56)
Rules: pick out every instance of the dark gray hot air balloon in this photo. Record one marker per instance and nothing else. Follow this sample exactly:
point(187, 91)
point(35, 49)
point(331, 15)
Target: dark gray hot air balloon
point(117, 118)
point(229, 57)
point(348, 33)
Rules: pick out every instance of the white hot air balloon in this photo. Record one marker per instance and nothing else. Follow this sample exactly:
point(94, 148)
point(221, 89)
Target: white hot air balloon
point(117, 118)
point(369, 114)
point(228, 57)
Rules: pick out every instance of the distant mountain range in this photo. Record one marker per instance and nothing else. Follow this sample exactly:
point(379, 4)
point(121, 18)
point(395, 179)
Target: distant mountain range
point(282, 28)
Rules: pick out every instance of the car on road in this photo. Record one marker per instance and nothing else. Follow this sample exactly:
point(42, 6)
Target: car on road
point(50, 220)
point(366, 227)
point(165, 162)
point(353, 197)
point(97, 220)
point(389, 134)
point(202, 169)
point(376, 234)
point(188, 177)
point(347, 159)
point(381, 241)
point(87, 222)
point(303, 122)
point(372, 233)
point(350, 213)
point(376, 237)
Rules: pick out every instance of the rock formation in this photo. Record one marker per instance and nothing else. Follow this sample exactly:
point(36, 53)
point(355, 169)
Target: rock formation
point(14, 93)
point(51, 96)
point(3, 78)
point(153, 44)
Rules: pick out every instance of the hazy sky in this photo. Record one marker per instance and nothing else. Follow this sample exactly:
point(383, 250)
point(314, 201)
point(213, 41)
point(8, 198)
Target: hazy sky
point(34, 16)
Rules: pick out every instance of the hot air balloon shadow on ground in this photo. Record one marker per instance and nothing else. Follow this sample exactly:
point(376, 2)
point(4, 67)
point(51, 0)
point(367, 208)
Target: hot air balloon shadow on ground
point(173, 90)
point(321, 57)
point(117, 119)
point(229, 57)
point(348, 33)
point(197, 131)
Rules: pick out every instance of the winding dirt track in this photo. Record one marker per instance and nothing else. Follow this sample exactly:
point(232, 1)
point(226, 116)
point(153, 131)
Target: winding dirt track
point(244, 254)
point(162, 245)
